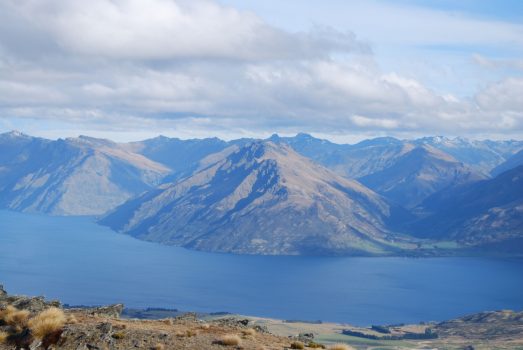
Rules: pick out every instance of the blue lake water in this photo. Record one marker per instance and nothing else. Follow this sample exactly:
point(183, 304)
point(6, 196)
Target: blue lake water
point(79, 262)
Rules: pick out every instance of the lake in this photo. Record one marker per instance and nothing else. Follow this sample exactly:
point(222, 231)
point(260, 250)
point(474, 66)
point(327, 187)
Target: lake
point(79, 262)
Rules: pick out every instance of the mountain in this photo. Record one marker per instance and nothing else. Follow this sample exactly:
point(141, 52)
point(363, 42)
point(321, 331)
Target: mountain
point(481, 155)
point(262, 198)
point(352, 161)
point(181, 156)
point(513, 162)
point(75, 176)
point(489, 212)
point(418, 173)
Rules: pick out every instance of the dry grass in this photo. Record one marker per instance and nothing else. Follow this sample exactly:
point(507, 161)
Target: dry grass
point(47, 322)
point(168, 321)
point(118, 335)
point(249, 331)
point(71, 319)
point(340, 347)
point(16, 318)
point(3, 337)
point(297, 345)
point(188, 333)
point(205, 326)
point(230, 340)
point(158, 346)
point(314, 345)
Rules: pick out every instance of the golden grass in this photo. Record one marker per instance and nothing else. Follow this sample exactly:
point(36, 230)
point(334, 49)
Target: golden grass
point(230, 340)
point(4, 312)
point(297, 345)
point(118, 335)
point(168, 321)
point(314, 345)
point(71, 319)
point(249, 331)
point(3, 337)
point(340, 347)
point(47, 322)
point(16, 318)
point(158, 346)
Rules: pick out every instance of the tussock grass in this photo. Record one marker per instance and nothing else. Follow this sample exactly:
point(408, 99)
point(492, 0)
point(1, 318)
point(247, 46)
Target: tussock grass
point(340, 347)
point(168, 321)
point(3, 337)
point(15, 318)
point(118, 335)
point(188, 333)
point(47, 322)
point(297, 345)
point(249, 331)
point(230, 340)
point(71, 319)
point(205, 326)
point(158, 346)
point(314, 345)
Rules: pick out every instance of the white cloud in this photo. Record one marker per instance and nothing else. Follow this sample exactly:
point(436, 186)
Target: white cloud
point(167, 29)
point(195, 65)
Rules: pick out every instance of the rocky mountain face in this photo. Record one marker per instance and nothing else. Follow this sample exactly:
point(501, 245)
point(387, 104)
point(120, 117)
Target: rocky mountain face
point(488, 212)
point(418, 173)
point(262, 198)
point(77, 176)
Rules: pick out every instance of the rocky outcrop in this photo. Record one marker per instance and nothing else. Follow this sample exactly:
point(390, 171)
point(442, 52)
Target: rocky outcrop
point(21, 302)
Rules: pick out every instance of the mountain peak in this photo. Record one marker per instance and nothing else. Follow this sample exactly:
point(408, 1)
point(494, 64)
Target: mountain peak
point(15, 134)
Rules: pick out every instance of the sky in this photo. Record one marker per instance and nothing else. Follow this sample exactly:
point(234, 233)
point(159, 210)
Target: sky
point(339, 69)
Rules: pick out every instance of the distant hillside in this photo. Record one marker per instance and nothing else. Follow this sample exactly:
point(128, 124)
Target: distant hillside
point(482, 156)
point(418, 173)
point(181, 156)
point(80, 176)
point(511, 163)
point(478, 214)
point(262, 198)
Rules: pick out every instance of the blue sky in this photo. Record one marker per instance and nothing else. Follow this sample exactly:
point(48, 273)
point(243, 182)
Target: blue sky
point(340, 69)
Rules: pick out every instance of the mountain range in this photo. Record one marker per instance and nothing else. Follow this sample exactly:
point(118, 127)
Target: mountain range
point(282, 195)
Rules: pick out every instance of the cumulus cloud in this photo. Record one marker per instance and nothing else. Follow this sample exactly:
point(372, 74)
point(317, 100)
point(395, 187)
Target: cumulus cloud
point(168, 29)
point(180, 65)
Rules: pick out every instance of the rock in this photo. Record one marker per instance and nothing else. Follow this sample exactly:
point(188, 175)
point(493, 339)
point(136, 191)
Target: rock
point(105, 327)
point(3, 293)
point(111, 311)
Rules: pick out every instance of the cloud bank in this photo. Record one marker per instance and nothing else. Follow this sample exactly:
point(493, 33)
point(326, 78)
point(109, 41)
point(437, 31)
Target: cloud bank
point(127, 65)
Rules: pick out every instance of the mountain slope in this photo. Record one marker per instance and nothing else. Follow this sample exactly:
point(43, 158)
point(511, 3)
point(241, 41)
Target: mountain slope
point(181, 156)
point(486, 212)
point(417, 174)
point(261, 199)
point(482, 156)
point(511, 163)
point(77, 176)
point(352, 161)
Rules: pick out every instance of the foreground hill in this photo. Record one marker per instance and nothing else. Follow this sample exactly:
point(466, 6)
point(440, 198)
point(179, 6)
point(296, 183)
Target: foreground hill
point(262, 198)
point(76, 176)
point(34, 323)
point(488, 212)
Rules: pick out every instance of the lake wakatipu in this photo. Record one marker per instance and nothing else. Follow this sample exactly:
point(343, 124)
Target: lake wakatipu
point(75, 260)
